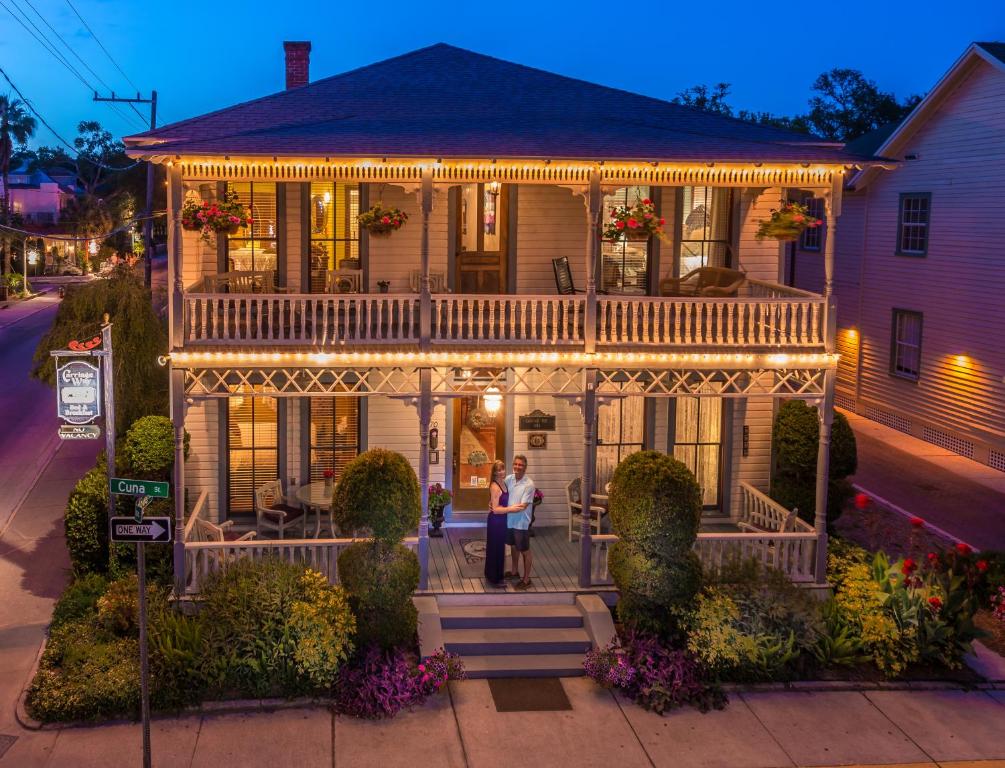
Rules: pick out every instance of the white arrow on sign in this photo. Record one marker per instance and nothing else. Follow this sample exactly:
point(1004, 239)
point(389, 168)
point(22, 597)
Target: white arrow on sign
point(153, 530)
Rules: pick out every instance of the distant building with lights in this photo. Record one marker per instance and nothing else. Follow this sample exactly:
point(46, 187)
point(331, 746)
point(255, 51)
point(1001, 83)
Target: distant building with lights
point(920, 272)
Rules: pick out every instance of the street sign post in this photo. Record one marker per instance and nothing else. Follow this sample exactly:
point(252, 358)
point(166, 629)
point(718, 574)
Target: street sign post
point(121, 486)
point(150, 530)
point(79, 431)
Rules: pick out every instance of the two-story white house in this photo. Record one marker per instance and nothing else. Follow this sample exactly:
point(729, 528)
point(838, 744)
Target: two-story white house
point(496, 321)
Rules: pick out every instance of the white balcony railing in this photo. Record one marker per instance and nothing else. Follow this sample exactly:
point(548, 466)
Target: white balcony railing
point(771, 318)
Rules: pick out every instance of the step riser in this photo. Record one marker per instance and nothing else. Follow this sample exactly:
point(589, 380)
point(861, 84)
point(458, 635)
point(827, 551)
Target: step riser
point(497, 673)
point(516, 649)
point(512, 622)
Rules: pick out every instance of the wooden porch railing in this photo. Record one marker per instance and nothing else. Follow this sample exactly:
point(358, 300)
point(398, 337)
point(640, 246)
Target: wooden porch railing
point(516, 319)
point(711, 322)
point(314, 319)
point(772, 317)
point(203, 558)
point(760, 511)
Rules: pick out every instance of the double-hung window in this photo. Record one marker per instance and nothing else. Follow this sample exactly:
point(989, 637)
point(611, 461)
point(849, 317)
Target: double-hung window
point(912, 223)
point(624, 264)
point(905, 345)
point(334, 434)
point(704, 218)
point(812, 237)
point(334, 235)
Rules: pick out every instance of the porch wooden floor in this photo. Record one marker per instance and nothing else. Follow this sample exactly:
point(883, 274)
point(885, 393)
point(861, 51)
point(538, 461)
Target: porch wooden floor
point(555, 568)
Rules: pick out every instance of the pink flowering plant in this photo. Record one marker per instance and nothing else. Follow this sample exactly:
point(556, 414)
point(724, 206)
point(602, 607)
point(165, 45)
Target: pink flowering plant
point(381, 221)
point(225, 216)
point(636, 222)
point(787, 222)
point(998, 604)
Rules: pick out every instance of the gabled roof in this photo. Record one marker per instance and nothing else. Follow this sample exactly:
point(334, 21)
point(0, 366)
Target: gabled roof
point(443, 101)
point(893, 145)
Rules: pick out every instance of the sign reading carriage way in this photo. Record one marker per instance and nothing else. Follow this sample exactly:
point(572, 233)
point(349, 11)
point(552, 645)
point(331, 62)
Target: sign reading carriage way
point(123, 487)
point(78, 392)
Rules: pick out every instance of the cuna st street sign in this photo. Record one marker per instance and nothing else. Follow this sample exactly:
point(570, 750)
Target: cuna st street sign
point(122, 487)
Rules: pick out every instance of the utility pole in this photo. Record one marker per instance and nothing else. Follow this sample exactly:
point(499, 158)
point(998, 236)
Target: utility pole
point(148, 224)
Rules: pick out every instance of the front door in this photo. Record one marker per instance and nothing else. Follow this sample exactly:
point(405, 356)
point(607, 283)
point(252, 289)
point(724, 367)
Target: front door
point(481, 239)
point(478, 441)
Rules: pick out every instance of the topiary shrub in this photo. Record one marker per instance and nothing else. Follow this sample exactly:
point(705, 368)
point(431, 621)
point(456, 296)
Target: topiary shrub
point(86, 522)
point(655, 508)
point(148, 450)
point(379, 491)
point(795, 438)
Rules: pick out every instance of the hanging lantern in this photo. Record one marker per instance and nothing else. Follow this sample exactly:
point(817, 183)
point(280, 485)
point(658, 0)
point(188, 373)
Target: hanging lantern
point(492, 400)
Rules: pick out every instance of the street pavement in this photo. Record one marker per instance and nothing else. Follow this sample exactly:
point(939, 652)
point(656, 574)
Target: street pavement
point(960, 496)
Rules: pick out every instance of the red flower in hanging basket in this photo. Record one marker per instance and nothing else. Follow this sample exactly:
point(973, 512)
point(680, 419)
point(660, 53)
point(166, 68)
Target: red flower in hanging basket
point(786, 222)
point(382, 221)
point(638, 222)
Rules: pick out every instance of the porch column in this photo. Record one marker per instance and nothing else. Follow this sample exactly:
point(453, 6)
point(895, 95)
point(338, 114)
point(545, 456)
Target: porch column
point(175, 310)
point(178, 420)
point(832, 209)
point(826, 413)
point(425, 290)
point(589, 408)
point(593, 205)
point(425, 407)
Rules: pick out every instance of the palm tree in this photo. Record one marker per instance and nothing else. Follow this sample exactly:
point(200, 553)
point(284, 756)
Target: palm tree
point(16, 125)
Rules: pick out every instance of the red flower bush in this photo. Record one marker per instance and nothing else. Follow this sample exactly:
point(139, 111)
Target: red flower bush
point(861, 501)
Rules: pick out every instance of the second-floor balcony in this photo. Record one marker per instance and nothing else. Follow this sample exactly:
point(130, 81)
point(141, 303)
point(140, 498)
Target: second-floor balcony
point(762, 317)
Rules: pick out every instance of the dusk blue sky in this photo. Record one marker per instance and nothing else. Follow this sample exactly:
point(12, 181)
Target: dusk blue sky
point(202, 56)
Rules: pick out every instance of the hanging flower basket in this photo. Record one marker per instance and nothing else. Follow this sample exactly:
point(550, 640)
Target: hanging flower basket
point(380, 221)
point(787, 223)
point(225, 216)
point(636, 223)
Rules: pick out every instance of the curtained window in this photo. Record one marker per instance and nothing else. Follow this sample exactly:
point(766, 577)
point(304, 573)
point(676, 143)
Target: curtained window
point(253, 248)
point(252, 446)
point(624, 265)
point(334, 227)
point(620, 433)
point(334, 434)
point(705, 216)
point(698, 442)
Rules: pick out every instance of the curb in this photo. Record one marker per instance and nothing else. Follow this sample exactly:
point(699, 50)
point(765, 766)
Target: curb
point(830, 686)
point(901, 511)
point(20, 711)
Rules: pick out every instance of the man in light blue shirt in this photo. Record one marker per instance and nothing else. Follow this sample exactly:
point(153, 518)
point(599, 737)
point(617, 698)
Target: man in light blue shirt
point(521, 492)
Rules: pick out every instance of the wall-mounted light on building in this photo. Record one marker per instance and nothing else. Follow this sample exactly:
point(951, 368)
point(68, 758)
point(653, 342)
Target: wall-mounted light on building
point(492, 400)
point(92, 247)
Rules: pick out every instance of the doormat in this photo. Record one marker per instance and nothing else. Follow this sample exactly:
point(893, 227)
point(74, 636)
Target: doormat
point(529, 694)
point(6, 742)
point(467, 545)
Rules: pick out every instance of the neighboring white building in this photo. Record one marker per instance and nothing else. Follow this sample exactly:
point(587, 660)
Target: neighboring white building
point(920, 268)
point(36, 195)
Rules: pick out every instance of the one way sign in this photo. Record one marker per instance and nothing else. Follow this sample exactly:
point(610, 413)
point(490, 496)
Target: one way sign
point(152, 530)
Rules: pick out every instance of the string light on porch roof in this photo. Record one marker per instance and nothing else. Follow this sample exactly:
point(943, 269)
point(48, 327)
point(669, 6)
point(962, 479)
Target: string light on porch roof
point(507, 359)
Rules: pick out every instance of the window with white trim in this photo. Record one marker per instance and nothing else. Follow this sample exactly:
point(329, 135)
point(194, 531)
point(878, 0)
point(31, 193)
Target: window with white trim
point(912, 223)
point(905, 347)
point(812, 237)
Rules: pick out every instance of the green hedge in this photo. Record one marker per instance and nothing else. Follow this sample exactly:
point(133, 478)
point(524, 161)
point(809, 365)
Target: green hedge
point(380, 583)
point(86, 522)
point(655, 508)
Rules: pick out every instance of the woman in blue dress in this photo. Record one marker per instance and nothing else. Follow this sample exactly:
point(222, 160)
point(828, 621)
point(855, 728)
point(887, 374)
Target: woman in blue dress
point(495, 526)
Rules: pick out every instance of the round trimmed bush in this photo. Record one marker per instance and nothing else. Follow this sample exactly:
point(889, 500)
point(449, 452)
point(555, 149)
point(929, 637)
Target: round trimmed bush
point(378, 491)
point(380, 582)
point(655, 508)
point(148, 449)
point(86, 522)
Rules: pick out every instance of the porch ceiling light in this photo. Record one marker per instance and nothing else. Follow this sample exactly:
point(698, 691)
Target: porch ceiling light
point(492, 400)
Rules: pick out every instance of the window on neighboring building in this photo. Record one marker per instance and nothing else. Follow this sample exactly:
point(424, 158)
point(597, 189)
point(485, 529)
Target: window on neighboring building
point(334, 230)
point(812, 237)
point(253, 249)
point(698, 442)
point(620, 433)
point(252, 447)
point(334, 434)
point(905, 351)
point(912, 223)
point(624, 265)
point(705, 216)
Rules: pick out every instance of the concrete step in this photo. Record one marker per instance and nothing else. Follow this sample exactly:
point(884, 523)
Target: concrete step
point(506, 598)
point(537, 665)
point(510, 616)
point(520, 641)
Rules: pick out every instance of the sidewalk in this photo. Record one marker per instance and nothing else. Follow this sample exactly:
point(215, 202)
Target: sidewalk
point(33, 572)
point(956, 494)
point(463, 729)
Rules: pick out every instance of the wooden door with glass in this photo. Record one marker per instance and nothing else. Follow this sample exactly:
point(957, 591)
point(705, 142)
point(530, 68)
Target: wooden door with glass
point(478, 440)
point(481, 239)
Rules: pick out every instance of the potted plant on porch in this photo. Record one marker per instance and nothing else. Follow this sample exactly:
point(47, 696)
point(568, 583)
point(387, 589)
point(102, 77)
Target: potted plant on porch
point(787, 223)
point(636, 223)
point(225, 216)
point(380, 221)
point(439, 500)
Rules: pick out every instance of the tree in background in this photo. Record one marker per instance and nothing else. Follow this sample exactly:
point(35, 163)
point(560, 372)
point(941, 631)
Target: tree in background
point(846, 106)
point(138, 339)
point(16, 125)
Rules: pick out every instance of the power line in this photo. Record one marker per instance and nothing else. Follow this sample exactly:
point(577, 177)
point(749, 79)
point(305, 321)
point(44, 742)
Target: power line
point(52, 130)
point(121, 228)
point(110, 58)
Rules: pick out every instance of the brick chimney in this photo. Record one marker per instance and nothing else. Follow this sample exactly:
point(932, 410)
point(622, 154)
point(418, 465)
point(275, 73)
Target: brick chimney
point(298, 63)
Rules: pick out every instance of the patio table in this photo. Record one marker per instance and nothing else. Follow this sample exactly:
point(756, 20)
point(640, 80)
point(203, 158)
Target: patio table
point(315, 497)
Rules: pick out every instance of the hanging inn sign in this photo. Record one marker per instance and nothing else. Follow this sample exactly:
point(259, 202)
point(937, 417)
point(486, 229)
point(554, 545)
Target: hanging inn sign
point(78, 392)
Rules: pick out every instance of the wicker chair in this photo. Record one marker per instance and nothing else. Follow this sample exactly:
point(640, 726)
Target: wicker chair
point(274, 513)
